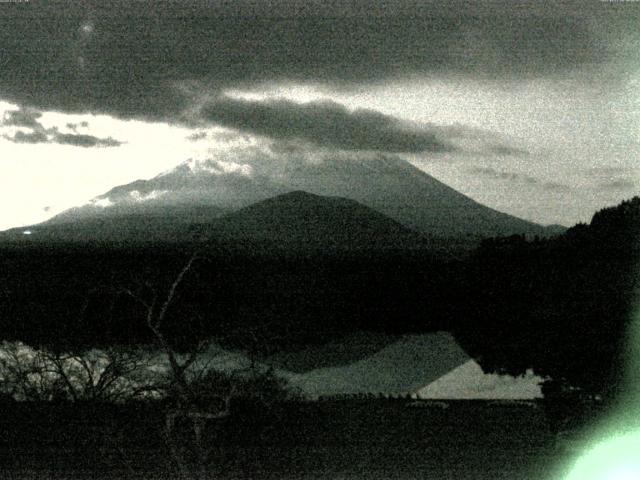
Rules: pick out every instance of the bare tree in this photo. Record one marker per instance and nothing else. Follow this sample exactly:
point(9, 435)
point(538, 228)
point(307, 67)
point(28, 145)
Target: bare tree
point(111, 375)
point(155, 314)
point(188, 400)
point(201, 393)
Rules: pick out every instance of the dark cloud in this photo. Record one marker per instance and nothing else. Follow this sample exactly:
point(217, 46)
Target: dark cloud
point(22, 118)
point(607, 175)
point(507, 150)
point(194, 137)
point(502, 175)
point(39, 134)
point(615, 178)
point(492, 173)
point(476, 141)
point(84, 140)
point(607, 171)
point(322, 123)
point(556, 187)
point(52, 136)
point(137, 52)
point(619, 184)
point(74, 126)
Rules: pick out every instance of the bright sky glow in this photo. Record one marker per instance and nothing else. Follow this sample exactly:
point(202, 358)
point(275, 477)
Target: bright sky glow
point(47, 178)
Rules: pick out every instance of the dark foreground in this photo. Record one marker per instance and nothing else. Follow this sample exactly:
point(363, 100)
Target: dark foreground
point(368, 439)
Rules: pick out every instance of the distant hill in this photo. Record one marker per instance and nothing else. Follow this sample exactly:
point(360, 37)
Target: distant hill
point(300, 219)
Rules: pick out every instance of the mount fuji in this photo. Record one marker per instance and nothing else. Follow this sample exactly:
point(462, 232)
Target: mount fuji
point(202, 191)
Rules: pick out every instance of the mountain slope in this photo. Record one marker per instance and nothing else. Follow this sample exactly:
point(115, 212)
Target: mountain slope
point(190, 192)
point(294, 220)
point(199, 191)
point(396, 188)
point(468, 381)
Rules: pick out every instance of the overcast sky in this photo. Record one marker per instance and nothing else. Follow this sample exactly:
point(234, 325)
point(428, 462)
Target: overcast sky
point(530, 108)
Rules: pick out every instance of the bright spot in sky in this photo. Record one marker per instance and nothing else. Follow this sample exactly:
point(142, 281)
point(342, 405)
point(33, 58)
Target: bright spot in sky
point(616, 459)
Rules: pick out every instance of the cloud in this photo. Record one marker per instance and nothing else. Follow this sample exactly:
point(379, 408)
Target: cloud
point(477, 141)
point(74, 126)
point(492, 173)
point(600, 172)
point(85, 141)
point(53, 136)
point(326, 124)
point(196, 136)
point(614, 178)
point(619, 184)
point(144, 197)
point(133, 57)
point(39, 134)
point(506, 150)
point(555, 187)
point(21, 118)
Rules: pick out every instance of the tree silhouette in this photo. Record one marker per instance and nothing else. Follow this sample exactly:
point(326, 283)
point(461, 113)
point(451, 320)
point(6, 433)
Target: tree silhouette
point(561, 306)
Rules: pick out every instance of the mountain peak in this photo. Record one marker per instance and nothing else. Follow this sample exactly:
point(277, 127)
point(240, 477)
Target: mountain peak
point(197, 192)
point(299, 194)
point(387, 184)
point(302, 219)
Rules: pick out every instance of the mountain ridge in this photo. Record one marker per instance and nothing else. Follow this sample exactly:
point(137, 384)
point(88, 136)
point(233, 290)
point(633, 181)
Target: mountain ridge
point(306, 219)
point(197, 192)
point(295, 220)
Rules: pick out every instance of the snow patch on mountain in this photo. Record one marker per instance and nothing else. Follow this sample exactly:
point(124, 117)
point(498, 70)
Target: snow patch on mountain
point(102, 202)
point(143, 197)
point(209, 165)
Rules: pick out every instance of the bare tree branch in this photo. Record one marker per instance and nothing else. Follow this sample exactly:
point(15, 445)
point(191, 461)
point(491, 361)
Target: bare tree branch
point(174, 286)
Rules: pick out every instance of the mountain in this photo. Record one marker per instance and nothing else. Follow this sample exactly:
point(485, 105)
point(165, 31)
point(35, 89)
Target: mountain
point(405, 193)
point(468, 381)
point(199, 191)
point(303, 219)
point(168, 224)
point(294, 220)
point(403, 366)
point(185, 191)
